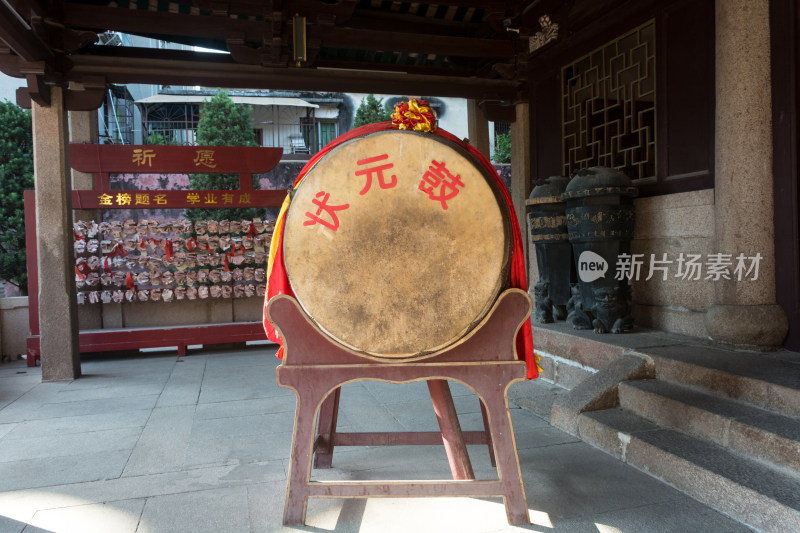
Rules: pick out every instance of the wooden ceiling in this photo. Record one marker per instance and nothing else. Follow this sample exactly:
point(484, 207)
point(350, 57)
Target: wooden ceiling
point(473, 49)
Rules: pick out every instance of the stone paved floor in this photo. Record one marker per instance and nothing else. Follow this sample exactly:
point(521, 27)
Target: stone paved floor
point(201, 444)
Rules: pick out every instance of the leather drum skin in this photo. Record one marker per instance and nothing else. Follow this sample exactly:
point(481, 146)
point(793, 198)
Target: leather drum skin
point(397, 244)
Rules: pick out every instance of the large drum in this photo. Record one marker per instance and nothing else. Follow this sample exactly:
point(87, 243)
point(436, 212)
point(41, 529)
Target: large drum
point(397, 243)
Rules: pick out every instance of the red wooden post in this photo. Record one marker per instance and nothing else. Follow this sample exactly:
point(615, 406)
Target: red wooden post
point(31, 259)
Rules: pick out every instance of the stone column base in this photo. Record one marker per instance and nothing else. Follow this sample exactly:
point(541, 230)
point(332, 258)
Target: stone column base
point(747, 325)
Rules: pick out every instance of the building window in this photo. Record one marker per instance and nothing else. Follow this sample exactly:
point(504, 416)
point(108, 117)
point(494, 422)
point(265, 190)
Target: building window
point(117, 116)
point(328, 131)
point(609, 107)
point(171, 123)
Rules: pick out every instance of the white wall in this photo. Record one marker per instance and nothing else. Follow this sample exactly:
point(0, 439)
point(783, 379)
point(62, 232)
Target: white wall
point(8, 87)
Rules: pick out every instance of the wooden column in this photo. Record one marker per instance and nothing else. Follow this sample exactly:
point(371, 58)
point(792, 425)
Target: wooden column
point(57, 299)
point(477, 127)
point(521, 173)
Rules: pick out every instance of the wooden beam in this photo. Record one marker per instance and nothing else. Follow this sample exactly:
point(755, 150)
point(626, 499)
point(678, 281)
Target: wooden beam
point(387, 21)
point(223, 72)
point(223, 28)
point(415, 42)
point(158, 23)
point(17, 34)
point(394, 67)
point(27, 8)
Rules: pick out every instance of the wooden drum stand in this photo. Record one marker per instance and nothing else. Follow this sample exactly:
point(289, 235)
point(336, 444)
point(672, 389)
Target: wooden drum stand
point(315, 367)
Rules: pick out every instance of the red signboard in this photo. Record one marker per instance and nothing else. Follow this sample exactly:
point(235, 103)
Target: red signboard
point(105, 159)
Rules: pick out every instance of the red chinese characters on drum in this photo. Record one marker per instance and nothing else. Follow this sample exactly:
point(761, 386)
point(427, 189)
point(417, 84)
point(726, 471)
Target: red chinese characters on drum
point(376, 170)
point(440, 184)
point(331, 220)
point(437, 182)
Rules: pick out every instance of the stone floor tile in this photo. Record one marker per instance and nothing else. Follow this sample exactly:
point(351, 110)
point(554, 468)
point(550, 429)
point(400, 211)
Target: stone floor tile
point(184, 383)
point(215, 428)
point(163, 442)
point(89, 407)
point(258, 406)
point(23, 407)
point(85, 444)
point(21, 504)
point(237, 450)
point(50, 471)
point(247, 388)
point(359, 410)
point(5, 429)
point(538, 436)
point(117, 517)
point(265, 503)
point(391, 392)
point(111, 390)
point(194, 512)
point(206, 460)
point(574, 479)
point(656, 518)
point(78, 424)
point(9, 525)
point(395, 515)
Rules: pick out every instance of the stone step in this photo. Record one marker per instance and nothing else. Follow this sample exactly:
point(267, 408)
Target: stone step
point(745, 429)
point(762, 497)
point(768, 380)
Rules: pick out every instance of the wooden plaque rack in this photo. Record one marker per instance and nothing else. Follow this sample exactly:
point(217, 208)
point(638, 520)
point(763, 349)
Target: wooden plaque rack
point(101, 160)
point(315, 367)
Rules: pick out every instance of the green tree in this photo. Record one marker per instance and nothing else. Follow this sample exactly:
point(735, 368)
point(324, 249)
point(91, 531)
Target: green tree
point(16, 175)
point(223, 123)
point(371, 110)
point(502, 148)
point(158, 139)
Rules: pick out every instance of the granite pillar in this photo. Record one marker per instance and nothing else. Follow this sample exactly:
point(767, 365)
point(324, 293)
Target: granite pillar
point(744, 312)
point(58, 320)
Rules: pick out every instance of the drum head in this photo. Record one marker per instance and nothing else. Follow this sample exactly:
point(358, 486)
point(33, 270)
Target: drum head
point(397, 244)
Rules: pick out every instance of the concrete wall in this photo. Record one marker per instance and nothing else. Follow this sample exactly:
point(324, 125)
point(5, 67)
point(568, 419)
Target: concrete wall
point(673, 224)
point(14, 327)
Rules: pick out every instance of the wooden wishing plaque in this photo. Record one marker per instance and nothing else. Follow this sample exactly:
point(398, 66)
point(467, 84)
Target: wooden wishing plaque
point(396, 244)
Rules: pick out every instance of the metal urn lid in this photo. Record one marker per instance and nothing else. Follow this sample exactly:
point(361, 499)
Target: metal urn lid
point(599, 181)
point(548, 191)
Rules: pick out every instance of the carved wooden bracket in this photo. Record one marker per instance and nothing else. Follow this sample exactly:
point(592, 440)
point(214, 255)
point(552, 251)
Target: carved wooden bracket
point(86, 96)
point(89, 98)
point(498, 111)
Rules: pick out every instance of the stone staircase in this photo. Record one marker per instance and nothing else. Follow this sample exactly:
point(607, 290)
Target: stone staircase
point(720, 425)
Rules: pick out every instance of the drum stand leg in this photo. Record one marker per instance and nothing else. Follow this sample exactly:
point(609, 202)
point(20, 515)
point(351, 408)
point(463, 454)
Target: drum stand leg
point(485, 417)
point(315, 368)
point(449, 426)
point(452, 437)
point(326, 430)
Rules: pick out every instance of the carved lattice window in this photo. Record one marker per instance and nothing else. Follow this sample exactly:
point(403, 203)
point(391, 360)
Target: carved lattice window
point(609, 106)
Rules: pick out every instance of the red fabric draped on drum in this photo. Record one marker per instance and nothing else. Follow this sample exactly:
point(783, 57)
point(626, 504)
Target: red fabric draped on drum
point(278, 281)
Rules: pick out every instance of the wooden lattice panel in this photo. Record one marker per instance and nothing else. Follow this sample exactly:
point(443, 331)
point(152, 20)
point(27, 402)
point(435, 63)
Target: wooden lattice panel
point(609, 106)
